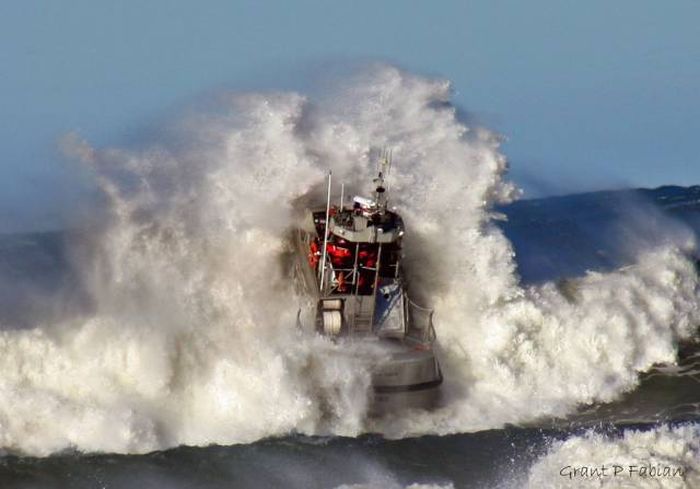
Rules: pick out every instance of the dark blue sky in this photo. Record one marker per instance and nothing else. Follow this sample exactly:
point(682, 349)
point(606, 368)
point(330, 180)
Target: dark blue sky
point(590, 95)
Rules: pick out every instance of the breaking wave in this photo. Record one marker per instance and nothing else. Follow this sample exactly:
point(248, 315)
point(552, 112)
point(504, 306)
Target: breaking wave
point(391, 484)
point(665, 457)
point(191, 336)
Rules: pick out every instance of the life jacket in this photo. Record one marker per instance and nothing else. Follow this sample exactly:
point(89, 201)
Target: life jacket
point(314, 254)
point(341, 281)
point(367, 258)
point(339, 255)
point(338, 251)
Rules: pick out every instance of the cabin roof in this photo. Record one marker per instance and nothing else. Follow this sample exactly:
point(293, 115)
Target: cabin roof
point(380, 227)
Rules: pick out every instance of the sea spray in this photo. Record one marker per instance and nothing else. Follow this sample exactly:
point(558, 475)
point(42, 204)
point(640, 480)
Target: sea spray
point(191, 338)
point(661, 457)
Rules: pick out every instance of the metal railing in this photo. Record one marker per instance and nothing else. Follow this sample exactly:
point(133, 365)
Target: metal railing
point(419, 321)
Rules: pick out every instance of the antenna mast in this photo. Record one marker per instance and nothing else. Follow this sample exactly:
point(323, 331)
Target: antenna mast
point(384, 168)
point(325, 232)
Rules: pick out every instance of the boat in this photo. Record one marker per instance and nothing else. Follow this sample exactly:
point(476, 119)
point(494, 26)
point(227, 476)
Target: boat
point(349, 269)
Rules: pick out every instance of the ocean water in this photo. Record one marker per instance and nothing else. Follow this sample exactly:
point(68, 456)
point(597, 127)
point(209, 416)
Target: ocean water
point(155, 347)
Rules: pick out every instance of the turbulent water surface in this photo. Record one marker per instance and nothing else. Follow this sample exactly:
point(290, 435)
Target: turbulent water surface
point(566, 332)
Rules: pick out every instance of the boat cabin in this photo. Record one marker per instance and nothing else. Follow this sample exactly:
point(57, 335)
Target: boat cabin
point(363, 249)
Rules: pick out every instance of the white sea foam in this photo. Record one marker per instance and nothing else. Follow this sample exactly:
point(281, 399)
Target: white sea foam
point(192, 338)
point(391, 484)
point(664, 457)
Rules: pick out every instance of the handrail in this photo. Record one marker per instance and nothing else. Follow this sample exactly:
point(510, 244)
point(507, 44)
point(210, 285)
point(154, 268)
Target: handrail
point(427, 330)
point(419, 307)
